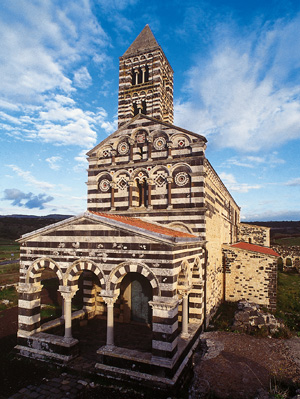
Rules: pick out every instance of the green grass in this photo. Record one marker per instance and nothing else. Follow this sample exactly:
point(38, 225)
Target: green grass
point(10, 294)
point(9, 249)
point(9, 274)
point(288, 307)
point(288, 300)
point(288, 241)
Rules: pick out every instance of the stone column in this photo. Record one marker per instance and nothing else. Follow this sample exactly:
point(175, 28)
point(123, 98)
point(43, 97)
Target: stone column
point(67, 293)
point(165, 329)
point(113, 157)
point(113, 186)
point(110, 320)
point(170, 181)
point(143, 74)
point(29, 304)
point(136, 71)
point(130, 184)
point(131, 143)
point(169, 145)
point(150, 184)
point(149, 148)
point(185, 315)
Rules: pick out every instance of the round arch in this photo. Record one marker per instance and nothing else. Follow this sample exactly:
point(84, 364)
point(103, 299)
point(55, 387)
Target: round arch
point(117, 274)
point(72, 273)
point(185, 275)
point(179, 136)
point(180, 165)
point(138, 130)
point(139, 170)
point(180, 226)
point(120, 140)
point(158, 167)
point(34, 272)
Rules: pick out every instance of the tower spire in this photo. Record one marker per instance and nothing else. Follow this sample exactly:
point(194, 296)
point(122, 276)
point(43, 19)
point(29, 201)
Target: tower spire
point(145, 80)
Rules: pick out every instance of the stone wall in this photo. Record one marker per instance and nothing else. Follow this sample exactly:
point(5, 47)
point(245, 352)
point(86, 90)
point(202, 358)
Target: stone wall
point(288, 252)
point(258, 235)
point(222, 217)
point(251, 276)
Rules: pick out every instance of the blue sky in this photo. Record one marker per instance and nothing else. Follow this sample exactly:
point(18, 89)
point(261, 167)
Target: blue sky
point(236, 81)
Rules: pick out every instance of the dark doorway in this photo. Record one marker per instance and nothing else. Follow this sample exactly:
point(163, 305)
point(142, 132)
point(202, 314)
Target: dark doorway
point(136, 292)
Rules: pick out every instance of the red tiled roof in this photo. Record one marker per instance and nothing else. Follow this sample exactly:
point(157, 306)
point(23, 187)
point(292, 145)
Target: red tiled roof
point(255, 248)
point(135, 222)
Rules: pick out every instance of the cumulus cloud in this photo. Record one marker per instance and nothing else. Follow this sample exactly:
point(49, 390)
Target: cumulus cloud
point(245, 93)
point(232, 185)
point(40, 40)
point(27, 176)
point(43, 48)
point(29, 200)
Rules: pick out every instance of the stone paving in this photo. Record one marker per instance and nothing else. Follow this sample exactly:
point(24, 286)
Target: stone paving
point(91, 337)
point(64, 387)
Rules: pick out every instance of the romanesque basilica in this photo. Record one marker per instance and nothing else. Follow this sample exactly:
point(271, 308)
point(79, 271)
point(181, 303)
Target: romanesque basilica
point(160, 245)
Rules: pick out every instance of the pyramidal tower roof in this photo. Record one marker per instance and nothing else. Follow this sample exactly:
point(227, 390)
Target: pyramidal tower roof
point(145, 40)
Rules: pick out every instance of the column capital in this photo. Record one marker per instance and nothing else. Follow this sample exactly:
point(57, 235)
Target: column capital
point(130, 141)
point(67, 292)
point(162, 305)
point(29, 288)
point(109, 300)
point(170, 179)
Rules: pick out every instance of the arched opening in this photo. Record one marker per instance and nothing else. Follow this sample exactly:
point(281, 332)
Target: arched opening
point(134, 313)
point(289, 262)
point(51, 300)
point(135, 294)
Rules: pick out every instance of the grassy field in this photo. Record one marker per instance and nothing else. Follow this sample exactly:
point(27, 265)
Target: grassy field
point(288, 305)
point(288, 300)
point(288, 241)
point(9, 250)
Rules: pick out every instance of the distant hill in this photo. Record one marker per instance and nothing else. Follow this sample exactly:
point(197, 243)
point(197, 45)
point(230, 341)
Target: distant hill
point(13, 226)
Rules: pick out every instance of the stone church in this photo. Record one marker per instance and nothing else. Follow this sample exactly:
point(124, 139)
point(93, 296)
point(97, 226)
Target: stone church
point(160, 245)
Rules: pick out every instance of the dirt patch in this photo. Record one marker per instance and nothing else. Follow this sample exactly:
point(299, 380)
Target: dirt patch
point(237, 366)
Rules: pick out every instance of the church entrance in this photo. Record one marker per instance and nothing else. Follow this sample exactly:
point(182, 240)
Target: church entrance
point(136, 292)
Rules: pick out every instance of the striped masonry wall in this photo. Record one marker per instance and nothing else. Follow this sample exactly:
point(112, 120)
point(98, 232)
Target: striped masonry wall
point(105, 255)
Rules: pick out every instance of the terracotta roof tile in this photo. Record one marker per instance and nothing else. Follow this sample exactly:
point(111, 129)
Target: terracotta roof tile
point(255, 248)
point(135, 222)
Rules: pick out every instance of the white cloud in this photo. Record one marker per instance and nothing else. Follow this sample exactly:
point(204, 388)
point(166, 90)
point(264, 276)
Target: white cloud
point(82, 78)
point(232, 185)
point(269, 160)
point(293, 182)
point(27, 176)
point(245, 94)
point(43, 45)
point(40, 41)
point(54, 162)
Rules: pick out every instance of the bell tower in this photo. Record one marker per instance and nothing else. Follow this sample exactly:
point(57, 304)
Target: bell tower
point(145, 81)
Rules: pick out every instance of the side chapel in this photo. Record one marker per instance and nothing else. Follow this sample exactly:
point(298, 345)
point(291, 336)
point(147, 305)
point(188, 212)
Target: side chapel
point(161, 243)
